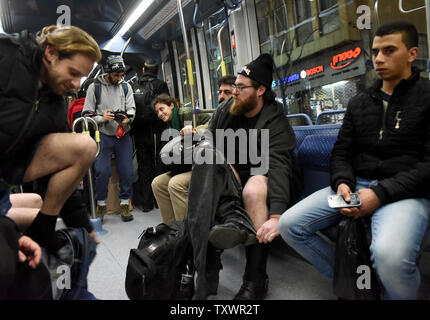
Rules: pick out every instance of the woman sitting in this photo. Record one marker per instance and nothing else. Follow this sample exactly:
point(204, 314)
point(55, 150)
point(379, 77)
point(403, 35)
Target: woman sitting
point(171, 188)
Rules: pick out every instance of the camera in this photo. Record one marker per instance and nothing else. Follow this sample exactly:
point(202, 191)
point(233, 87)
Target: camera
point(119, 115)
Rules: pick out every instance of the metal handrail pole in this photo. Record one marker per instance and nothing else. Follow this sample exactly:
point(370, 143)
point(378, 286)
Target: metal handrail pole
point(189, 66)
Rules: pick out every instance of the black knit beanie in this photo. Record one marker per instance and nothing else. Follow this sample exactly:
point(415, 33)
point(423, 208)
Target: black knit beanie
point(260, 70)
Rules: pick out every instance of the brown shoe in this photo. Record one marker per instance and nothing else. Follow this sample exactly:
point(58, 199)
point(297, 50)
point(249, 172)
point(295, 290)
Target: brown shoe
point(100, 212)
point(125, 213)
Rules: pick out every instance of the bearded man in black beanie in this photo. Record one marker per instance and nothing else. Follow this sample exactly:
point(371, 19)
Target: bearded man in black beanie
point(248, 212)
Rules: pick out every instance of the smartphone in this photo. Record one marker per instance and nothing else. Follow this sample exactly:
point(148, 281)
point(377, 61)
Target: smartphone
point(337, 201)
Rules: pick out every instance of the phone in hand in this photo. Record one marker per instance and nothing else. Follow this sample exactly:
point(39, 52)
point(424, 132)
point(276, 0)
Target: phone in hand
point(337, 201)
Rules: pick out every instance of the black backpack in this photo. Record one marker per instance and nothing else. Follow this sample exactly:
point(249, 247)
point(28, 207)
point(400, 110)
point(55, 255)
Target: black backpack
point(143, 96)
point(155, 268)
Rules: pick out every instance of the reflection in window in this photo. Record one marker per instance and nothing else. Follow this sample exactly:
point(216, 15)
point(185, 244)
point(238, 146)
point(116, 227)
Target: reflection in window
point(273, 28)
point(329, 16)
point(304, 32)
point(213, 25)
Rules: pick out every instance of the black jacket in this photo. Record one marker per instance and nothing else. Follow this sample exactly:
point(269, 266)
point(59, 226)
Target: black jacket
point(284, 179)
point(145, 114)
point(373, 147)
point(20, 98)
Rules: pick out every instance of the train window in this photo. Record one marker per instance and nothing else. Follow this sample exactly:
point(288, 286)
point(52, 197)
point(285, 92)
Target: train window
point(304, 31)
point(273, 27)
point(322, 55)
point(329, 16)
point(186, 88)
point(214, 25)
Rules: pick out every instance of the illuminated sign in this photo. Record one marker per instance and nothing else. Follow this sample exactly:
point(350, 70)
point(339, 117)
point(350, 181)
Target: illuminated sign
point(291, 78)
point(296, 76)
point(312, 71)
point(344, 59)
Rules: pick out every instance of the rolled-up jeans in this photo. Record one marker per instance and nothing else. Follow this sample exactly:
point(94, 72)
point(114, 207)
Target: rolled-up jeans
point(397, 231)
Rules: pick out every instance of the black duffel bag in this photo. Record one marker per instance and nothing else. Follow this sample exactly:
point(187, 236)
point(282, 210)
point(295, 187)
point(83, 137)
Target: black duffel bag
point(155, 268)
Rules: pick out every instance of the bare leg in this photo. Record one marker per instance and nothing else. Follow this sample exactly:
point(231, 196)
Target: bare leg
point(255, 200)
point(25, 207)
point(67, 157)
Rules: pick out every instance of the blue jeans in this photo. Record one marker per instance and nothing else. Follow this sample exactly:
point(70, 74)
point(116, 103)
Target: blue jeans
point(123, 150)
point(397, 232)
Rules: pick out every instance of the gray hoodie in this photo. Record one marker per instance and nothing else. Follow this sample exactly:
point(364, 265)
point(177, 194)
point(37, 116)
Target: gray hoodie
point(111, 97)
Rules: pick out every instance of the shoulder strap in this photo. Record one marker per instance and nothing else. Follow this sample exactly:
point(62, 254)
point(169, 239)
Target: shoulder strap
point(125, 88)
point(97, 90)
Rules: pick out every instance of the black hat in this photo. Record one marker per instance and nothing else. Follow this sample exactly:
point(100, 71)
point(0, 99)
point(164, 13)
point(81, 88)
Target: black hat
point(114, 64)
point(149, 63)
point(260, 70)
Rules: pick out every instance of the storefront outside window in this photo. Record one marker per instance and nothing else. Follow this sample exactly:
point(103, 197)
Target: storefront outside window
point(325, 72)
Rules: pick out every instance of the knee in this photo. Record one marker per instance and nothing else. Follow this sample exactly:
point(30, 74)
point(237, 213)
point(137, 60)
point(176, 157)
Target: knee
point(178, 184)
point(174, 186)
point(290, 229)
point(254, 193)
point(156, 183)
point(390, 260)
point(36, 201)
point(85, 147)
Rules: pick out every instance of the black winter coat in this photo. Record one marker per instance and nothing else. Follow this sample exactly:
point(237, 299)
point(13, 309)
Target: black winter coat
point(375, 147)
point(20, 98)
point(284, 176)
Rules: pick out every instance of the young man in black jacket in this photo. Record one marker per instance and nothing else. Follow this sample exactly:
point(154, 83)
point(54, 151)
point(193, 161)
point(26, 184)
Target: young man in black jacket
point(241, 201)
point(37, 71)
point(383, 154)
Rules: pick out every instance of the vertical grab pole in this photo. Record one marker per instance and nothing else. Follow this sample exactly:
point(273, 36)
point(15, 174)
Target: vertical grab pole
point(223, 68)
point(90, 174)
point(428, 35)
point(189, 64)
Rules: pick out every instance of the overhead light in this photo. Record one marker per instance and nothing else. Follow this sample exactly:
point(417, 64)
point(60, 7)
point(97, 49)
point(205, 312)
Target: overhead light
point(1, 23)
point(137, 13)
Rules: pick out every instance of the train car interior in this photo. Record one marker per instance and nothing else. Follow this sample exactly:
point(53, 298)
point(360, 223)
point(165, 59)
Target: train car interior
point(195, 42)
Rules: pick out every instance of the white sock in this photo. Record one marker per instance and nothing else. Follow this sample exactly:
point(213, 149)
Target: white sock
point(124, 201)
point(101, 203)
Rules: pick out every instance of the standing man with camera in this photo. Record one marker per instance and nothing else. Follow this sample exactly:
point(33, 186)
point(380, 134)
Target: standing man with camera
point(110, 101)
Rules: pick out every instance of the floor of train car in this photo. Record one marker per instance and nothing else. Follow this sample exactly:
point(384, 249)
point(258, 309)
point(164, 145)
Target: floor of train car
point(291, 278)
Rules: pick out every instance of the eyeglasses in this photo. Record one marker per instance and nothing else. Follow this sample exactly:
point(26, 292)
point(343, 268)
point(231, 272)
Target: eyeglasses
point(227, 92)
point(240, 88)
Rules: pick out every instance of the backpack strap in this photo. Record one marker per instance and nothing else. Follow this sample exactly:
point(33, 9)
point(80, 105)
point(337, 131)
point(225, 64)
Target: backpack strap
point(97, 89)
point(124, 88)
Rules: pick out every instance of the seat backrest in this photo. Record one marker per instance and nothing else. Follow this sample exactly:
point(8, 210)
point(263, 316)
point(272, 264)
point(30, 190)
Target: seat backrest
point(313, 150)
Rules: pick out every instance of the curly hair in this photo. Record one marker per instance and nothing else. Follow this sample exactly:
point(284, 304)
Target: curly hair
point(68, 41)
point(165, 99)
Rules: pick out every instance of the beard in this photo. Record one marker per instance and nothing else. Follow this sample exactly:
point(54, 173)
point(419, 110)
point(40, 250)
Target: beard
point(111, 80)
point(240, 107)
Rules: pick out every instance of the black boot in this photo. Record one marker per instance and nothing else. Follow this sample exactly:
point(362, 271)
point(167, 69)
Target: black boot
point(255, 281)
point(230, 234)
point(213, 266)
